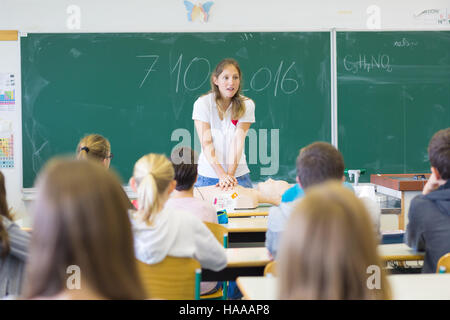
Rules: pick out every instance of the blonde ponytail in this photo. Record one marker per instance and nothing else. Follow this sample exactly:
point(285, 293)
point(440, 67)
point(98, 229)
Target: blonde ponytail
point(147, 195)
point(93, 146)
point(153, 174)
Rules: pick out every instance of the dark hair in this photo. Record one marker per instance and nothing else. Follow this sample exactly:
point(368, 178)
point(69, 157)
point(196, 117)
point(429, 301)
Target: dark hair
point(184, 161)
point(81, 218)
point(318, 162)
point(439, 152)
point(4, 211)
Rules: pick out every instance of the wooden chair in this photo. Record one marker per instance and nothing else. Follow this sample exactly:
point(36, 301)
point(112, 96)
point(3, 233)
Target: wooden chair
point(172, 279)
point(221, 234)
point(219, 231)
point(270, 268)
point(444, 261)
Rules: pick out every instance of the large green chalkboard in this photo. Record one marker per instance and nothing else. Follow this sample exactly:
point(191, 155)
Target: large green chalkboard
point(138, 89)
point(393, 95)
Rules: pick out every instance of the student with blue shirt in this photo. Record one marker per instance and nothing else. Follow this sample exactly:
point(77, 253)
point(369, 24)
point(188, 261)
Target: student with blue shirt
point(296, 192)
point(316, 163)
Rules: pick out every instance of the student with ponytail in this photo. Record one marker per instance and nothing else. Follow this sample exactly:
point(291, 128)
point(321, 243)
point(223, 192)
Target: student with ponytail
point(160, 231)
point(95, 147)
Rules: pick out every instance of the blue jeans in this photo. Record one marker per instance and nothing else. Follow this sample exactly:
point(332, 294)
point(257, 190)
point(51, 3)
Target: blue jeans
point(243, 181)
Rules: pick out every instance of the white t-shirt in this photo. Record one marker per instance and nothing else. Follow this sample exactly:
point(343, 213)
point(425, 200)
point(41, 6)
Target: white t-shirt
point(178, 234)
point(222, 131)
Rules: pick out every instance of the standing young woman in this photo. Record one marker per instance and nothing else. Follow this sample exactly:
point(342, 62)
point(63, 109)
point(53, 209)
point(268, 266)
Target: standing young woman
point(222, 119)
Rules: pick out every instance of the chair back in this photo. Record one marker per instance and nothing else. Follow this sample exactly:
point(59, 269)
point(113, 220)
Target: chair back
point(444, 261)
point(219, 231)
point(270, 268)
point(172, 279)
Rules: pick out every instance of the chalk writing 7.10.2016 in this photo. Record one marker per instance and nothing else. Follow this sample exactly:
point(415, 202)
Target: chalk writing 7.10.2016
point(284, 77)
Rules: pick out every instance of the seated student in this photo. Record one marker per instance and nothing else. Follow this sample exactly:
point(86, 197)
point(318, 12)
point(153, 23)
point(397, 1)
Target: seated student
point(328, 250)
point(82, 244)
point(184, 161)
point(428, 228)
point(316, 163)
point(14, 244)
point(160, 231)
point(296, 191)
point(269, 191)
point(98, 148)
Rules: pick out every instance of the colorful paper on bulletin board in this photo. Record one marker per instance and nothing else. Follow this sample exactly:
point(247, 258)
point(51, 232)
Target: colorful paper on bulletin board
point(7, 92)
point(6, 145)
point(7, 152)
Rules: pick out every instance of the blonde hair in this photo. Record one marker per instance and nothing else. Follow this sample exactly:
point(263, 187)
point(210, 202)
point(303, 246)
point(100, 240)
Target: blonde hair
point(93, 146)
point(238, 104)
point(153, 174)
point(327, 248)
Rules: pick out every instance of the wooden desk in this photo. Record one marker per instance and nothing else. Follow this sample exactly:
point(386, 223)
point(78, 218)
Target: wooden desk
point(432, 286)
point(247, 229)
point(261, 210)
point(246, 225)
point(248, 213)
point(241, 262)
point(404, 287)
point(399, 252)
point(258, 288)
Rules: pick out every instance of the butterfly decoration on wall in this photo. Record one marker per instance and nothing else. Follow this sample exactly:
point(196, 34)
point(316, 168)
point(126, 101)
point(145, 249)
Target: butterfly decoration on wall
point(198, 12)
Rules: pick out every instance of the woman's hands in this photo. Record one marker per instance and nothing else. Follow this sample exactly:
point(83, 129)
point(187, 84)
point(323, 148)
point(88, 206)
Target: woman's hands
point(226, 181)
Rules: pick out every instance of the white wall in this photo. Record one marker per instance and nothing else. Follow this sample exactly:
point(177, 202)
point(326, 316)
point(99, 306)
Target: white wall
point(226, 15)
point(171, 16)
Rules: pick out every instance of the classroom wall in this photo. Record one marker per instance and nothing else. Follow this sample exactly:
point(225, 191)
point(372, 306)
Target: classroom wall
point(171, 16)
